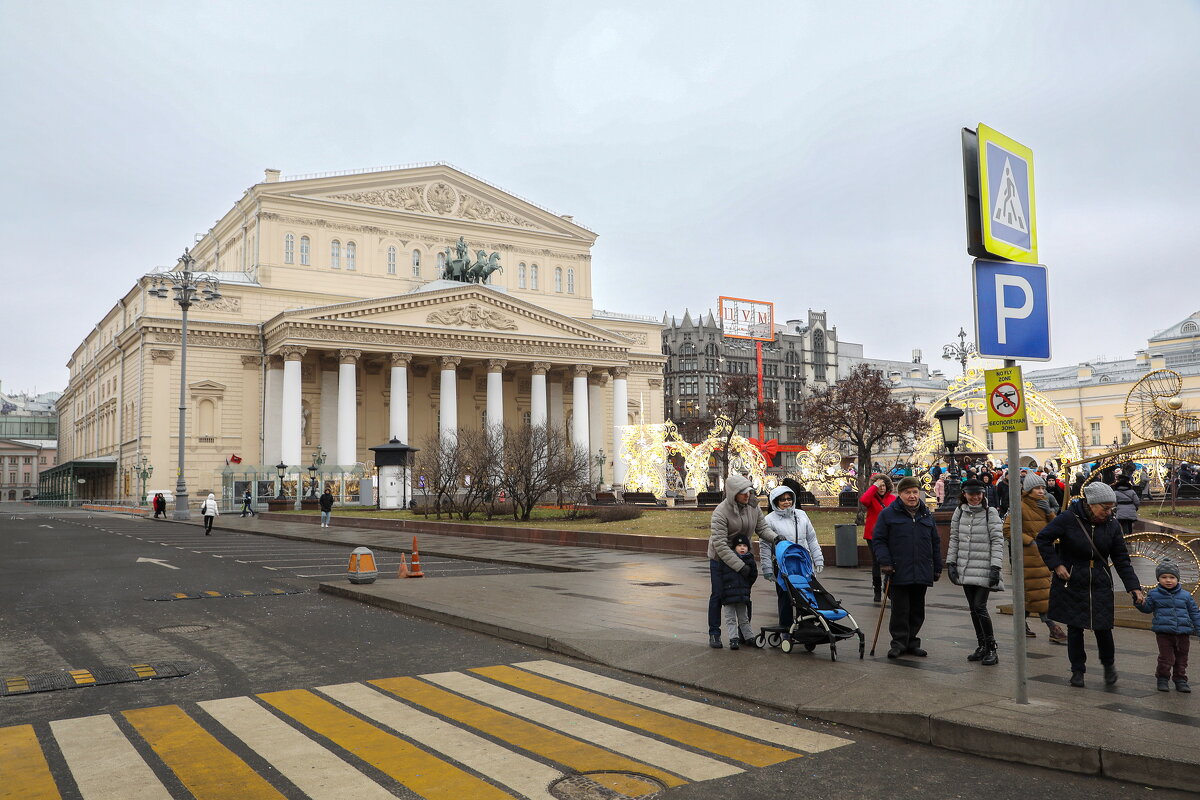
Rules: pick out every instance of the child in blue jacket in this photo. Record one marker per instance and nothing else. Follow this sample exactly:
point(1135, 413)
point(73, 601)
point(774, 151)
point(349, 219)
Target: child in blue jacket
point(1176, 617)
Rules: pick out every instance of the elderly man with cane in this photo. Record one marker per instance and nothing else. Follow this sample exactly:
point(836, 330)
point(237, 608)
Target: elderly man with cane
point(907, 546)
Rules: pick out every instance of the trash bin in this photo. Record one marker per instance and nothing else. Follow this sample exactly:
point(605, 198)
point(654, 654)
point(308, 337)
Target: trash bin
point(845, 539)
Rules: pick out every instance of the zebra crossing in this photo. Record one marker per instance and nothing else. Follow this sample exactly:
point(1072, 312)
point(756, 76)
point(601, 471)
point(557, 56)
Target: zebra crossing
point(533, 729)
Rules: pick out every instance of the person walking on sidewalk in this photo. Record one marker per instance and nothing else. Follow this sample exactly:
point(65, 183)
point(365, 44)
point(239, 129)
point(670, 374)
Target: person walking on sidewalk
point(909, 552)
point(735, 593)
point(875, 499)
point(160, 505)
point(1035, 515)
point(973, 562)
point(247, 504)
point(793, 525)
point(326, 503)
point(736, 514)
point(210, 512)
point(1077, 546)
point(1128, 503)
point(1176, 617)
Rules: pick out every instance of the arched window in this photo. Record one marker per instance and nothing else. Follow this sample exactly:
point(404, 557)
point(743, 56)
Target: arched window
point(687, 349)
point(819, 354)
point(391, 260)
point(351, 255)
point(1189, 327)
point(289, 249)
point(441, 264)
point(304, 251)
point(335, 254)
point(533, 276)
point(570, 281)
point(521, 275)
point(558, 279)
point(416, 263)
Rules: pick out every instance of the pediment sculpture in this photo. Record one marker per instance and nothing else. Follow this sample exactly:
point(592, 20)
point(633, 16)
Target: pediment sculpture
point(473, 315)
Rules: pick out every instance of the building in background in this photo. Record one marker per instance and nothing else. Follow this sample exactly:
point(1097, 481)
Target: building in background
point(22, 461)
point(29, 416)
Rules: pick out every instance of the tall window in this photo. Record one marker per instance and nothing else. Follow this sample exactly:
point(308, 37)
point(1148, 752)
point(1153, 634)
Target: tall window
point(819, 354)
point(1095, 434)
point(570, 281)
point(351, 255)
point(989, 441)
point(391, 260)
point(1126, 433)
point(335, 254)
point(1039, 434)
point(416, 263)
point(558, 279)
point(521, 276)
point(304, 251)
point(533, 277)
point(289, 249)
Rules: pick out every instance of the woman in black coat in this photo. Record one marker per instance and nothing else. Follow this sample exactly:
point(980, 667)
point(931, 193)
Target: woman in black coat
point(1080, 546)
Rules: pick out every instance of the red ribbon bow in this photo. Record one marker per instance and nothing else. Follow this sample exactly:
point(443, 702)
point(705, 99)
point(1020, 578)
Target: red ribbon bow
point(768, 448)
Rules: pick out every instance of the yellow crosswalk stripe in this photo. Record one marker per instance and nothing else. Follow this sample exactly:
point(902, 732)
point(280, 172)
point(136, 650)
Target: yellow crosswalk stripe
point(679, 730)
point(204, 765)
point(24, 773)
point(571, 753)
point(421, 772)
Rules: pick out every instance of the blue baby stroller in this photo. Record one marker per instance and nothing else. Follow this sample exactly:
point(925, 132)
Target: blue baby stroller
point(818, 618)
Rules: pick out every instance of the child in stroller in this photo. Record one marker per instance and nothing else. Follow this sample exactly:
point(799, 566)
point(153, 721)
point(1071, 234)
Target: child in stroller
point(818, 617)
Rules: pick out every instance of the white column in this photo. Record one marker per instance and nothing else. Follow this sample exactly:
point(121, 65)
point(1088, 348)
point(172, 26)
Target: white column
point(347, 447)
point(495, 394)
point(596, 392)
point(398, 407)
point(290, 415)
point(554, 406)
point(329, 408)
point(449, 397)
point(579, 410)
point(537, 396)
point(272, 404)
point(620, 416)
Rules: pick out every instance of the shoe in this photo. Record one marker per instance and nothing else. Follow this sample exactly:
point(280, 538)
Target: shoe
point(895, 652)
point(991, 658)
point(918, 652)
point(714, 641)
point(1029, 634)
point(1164, 685)
point(1110, 674)
point(735, 643)
point(1058, 635)
point(878, 595)
point(979, 653)
point(1077, 679)
point(1182, 686)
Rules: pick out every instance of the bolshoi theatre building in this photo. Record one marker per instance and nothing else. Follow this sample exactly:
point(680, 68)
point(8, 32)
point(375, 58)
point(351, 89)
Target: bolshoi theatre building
point(346, 320)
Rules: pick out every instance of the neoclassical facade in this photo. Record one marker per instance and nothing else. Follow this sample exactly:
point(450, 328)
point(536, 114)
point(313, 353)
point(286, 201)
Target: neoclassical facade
point(336, 332)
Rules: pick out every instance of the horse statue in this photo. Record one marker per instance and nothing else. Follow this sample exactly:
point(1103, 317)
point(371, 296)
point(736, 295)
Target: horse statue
point(484, 266)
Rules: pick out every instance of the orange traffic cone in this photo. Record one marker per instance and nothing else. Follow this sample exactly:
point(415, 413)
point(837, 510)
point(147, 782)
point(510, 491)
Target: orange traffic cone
point(403, 572)
point(416, 572)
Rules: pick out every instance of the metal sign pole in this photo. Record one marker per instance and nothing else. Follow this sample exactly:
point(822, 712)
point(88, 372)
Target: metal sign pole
point(1016, 543)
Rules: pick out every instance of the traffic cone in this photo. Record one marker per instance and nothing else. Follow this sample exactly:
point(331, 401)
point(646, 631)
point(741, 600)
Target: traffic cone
point(416, 572)
point(403, 572)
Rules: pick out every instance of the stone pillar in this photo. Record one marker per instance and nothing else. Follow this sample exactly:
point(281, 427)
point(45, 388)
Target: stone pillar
point(347, 416)
point(159, 435)
point(579, 413)
point(291, 410)
point(329, 408)
point(449, 398)
point(272, 427)
point(537, 396)
point(251, 450)
point(620, 416)
point(556, 415)
point(495, 395)
point(596, 438)
point(398, 407)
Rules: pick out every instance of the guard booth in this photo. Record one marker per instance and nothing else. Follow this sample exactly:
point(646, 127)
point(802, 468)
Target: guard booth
point(394, 464)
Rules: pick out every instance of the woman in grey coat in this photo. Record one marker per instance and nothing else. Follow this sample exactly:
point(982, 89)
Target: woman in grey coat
point(736, 515)
point(973, 561)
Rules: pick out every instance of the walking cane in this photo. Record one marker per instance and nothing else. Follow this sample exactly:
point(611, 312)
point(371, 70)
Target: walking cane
point(886, 584)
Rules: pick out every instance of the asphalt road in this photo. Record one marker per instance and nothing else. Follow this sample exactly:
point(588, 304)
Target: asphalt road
point(73, 595)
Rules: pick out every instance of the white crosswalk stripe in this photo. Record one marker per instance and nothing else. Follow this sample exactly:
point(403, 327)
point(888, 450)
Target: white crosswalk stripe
point(103, 762)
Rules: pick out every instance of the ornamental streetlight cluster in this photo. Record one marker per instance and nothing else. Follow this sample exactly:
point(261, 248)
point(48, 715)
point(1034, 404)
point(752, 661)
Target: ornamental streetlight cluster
point(186, 287)
point(144, 470)
point(960, 352)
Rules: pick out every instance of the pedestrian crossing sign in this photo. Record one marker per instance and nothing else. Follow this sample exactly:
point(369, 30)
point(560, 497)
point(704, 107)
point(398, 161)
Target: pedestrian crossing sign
point(1007, 207)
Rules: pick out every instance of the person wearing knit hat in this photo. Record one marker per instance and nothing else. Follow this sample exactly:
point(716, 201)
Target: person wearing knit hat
point(1078, 546)
point(909, 552)
point(1176, 617)
point(1035, 515)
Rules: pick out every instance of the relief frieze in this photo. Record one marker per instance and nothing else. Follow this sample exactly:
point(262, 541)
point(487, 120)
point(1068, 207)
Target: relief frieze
point(474, 315)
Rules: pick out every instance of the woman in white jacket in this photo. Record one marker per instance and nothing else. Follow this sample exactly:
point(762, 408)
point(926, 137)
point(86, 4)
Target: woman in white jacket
point(210, 511)
point(973, 562)
point(792, 525)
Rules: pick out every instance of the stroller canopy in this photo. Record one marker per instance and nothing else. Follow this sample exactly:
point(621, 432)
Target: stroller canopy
point(795, 569)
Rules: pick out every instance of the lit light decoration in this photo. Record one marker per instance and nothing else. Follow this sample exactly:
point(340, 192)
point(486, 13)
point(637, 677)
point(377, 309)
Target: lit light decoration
point(1148, 548)
point(819, 469)
point(744, 458)
point(646, 450)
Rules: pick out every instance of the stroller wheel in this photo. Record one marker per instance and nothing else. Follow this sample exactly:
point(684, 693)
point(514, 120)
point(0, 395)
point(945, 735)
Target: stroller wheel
point(786, 645)
point(760, 641)
point(833, 652)
point(809, 646)
point(774, 639)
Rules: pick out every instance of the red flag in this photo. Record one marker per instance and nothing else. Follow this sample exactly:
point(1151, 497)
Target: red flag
point(235, 459)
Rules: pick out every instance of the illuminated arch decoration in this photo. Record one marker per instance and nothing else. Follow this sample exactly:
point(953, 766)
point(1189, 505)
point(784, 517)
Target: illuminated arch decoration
point(819, 469)
point(744, 457)
point(647, 450)
point(1150, 547)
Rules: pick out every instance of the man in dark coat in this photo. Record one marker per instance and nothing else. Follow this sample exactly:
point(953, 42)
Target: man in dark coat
point(909, 551)
point(1080, 546)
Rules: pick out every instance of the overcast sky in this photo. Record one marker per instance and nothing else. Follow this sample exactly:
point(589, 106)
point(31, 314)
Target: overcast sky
point(803, 153)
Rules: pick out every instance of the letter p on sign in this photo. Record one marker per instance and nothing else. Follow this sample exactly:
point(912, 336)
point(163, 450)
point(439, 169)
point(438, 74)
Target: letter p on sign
point(1005, 312)
point(1012, 310)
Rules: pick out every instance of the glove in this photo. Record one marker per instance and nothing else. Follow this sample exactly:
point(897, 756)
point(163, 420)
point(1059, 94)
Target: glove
point(952, 571)
point(887, 569)
point(994, 578)
point(769, 577)
point(744, 571)
point(818, 568)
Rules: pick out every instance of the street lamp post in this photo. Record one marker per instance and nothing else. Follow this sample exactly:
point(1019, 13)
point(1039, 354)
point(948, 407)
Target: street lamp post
point(600, 458)
point(318, 459)
point(145, 470)
point(960, 352)
point(187, 288)
point(949, 417)
point(280, 470)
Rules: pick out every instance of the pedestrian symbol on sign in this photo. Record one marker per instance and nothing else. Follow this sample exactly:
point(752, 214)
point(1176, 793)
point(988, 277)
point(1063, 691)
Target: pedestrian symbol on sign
point(1009, 210)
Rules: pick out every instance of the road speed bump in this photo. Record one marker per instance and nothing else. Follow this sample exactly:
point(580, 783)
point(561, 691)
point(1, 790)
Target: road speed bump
point(209, 594)
point(362, 567)
point(54, 680)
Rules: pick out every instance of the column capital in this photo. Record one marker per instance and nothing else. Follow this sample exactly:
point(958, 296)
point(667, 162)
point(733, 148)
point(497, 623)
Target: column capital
point(292, 352)
point(451, 362)
point(602, 377)
point(401, 359)
point(655, 383)
point(621, 373)
point(496, 364)
point(162, 356)
point(274, 361)
point(349, 356)
point(540, 367)
point(582, 370)
point(250, 362)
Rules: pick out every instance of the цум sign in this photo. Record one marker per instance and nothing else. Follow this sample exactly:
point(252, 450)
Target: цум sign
point(747, 319)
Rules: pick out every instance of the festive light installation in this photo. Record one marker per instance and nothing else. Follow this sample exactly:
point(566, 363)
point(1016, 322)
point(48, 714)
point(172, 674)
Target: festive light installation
point(819, 469)
point(646, 450)
point(744, 457)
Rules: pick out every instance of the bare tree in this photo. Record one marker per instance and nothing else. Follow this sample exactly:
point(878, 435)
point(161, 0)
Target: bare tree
point(538, 460)
point(440, 464)
point(738, 402)
point(479, 458)
point(861, 411)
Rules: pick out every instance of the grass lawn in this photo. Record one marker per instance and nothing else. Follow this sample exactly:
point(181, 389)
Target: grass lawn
point(653, 522)
point(1184, 518)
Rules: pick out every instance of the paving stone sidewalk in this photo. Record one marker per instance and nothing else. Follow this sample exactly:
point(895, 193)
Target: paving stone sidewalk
point(645, 613)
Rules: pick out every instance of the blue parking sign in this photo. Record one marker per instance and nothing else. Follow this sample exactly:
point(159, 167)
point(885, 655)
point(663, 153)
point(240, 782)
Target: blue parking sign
point(1012, 310)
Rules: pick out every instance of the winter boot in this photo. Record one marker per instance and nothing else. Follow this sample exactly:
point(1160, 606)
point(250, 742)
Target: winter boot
point(1057, 635)
point(1077, 679)
point(991, 658)
point(878, 595)
point(1029, 634)
point(980, 651)
point(1164, 685)
point(1110, 674)
point(714, 641)
point(1182, 686)
point(735, 643)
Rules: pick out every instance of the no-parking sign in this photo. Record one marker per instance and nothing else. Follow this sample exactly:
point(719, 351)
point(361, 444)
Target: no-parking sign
point(1005, 392)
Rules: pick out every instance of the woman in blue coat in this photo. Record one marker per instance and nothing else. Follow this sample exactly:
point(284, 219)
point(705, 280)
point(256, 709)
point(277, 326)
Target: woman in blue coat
point(909, 551)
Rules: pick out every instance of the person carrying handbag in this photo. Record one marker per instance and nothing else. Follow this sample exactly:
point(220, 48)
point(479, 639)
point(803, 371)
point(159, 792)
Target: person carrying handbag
point(973, 561)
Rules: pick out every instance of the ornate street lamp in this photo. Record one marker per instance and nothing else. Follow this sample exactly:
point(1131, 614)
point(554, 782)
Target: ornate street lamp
point(318, 459)
point(187, 288)
point(144, 470)
point(949, 417)
point(280, 470)
point(960, 352)
point(600, 457)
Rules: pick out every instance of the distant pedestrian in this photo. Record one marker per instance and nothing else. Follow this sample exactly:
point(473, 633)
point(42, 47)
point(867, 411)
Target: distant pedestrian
point(1128, 503)
point(247, 504)
point(1176, 617)
point(1035, 515)
point(791, 524)
point(737, 514)
point(1078, 545)
point(909, 552)
point(326, 503)
point(735, 593)
point(160, 505)
point(210, 512)
point(939, 489)
point(875, 499)
point(973, 562)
